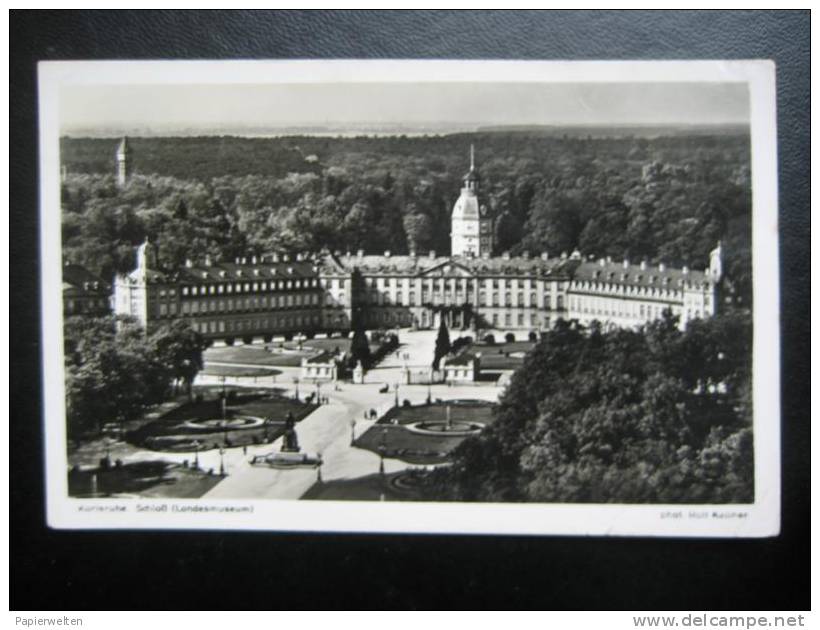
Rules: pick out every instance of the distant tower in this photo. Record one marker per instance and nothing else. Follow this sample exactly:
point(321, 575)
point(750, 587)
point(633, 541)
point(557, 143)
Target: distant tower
point(716, 263)
point(472, 227)
point(146, 256)
point(123, 157)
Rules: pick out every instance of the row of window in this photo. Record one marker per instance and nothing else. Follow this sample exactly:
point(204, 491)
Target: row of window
point(260, 325)
point(630, 310)
point(86, 305)
point(444, 284)
point(457, 298)
point(227, 305)
point(244, 287)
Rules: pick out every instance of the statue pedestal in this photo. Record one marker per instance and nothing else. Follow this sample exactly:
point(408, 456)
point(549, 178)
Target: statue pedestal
point(358, 374)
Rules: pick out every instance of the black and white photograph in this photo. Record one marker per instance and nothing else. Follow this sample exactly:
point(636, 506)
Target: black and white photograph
point(467, 297)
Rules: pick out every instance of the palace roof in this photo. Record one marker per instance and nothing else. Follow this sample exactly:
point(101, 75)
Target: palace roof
point(430, 264)
point(77, 280)
point(262, 268)
point(641, 274)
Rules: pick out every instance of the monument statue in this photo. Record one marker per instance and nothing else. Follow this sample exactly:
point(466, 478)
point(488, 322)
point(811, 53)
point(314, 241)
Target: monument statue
point(290, 443)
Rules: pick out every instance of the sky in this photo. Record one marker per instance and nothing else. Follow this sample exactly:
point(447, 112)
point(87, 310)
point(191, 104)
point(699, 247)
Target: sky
point(164, 108)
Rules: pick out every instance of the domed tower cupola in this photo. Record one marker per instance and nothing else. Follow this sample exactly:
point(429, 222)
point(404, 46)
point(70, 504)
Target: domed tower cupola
point(471, 231)
point(123, 162)
point(472, 180)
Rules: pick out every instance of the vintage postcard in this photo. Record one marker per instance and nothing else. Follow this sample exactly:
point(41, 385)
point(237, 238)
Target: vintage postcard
point(411, 296)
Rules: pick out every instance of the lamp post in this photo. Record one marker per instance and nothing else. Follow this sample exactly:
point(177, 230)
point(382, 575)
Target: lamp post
point(319, 468)
point(221, 461)
point(352, 431)
point(429, 390)
point(296, 383)
point(382, 450)
point(396, 387)
point(196, 454)
point(318, 393)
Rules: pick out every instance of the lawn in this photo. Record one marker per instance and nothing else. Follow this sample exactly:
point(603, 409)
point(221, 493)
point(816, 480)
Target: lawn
point(393, 487)
point(502, 356)
point(154, 479)
point(231, 370)
point(171, 433)
point(256, 355)
point(415, 448)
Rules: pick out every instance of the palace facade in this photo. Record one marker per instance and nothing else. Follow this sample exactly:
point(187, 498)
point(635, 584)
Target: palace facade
point(278, 294)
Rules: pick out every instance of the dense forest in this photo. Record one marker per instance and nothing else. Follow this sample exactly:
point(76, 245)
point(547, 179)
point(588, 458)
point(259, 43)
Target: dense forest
point(628, 416)
point(666, 198)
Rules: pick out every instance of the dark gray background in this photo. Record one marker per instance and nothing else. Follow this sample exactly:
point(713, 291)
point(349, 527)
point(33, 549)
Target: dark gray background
point(157, 570)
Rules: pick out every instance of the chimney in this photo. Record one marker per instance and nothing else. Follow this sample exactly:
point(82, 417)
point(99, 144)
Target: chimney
point(685, 270)
point(601, 262)
point(563, 255)
point(189, 263)
point(485, 255)
point(387, 253)
point(412, 253)
point(432, 254)
point(275, 257)
point(643, 265)
point(505, 255)
point(662, 267)
point(609, 259)
point(208, 261)
point(545, 256)
point(360, 253)
point(526, 254)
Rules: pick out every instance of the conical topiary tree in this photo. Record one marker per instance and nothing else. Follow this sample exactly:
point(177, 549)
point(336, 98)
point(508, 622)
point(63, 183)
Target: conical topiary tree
point(360, 349)
point(442, 344)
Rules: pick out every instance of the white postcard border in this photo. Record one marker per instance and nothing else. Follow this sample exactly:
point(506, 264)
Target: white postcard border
point(757, 520)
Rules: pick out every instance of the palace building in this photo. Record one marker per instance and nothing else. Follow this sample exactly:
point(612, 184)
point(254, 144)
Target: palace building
point(277, 294)
point(84, 293)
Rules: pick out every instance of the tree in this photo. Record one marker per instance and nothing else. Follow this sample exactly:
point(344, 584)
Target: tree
point(419, 230)
point(442, 344)
point(360, 348)
point(650, 415)
point(112, 373)
point(179, 348)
